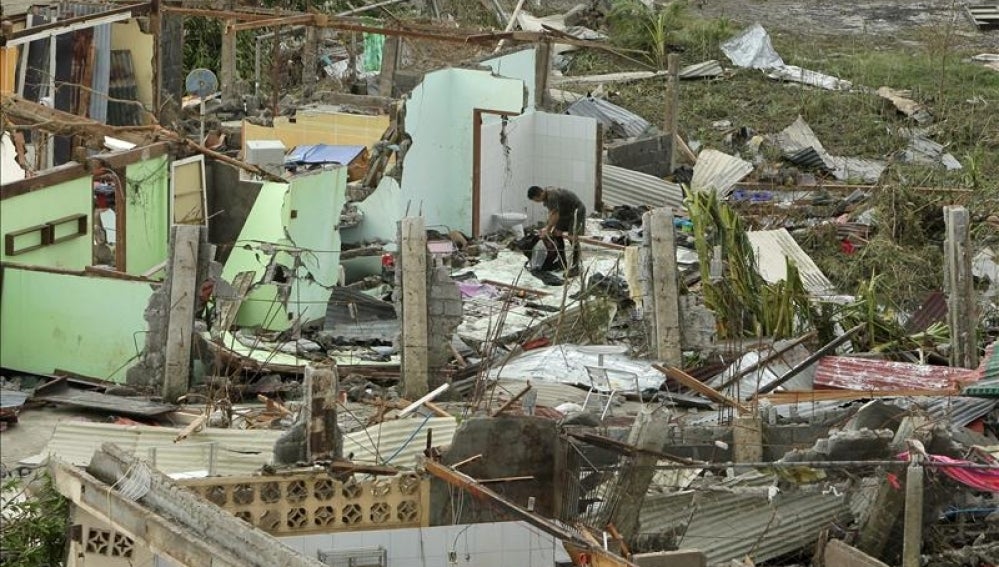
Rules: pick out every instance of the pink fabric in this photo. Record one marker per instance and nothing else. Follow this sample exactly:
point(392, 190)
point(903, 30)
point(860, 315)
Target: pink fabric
point(980, 479)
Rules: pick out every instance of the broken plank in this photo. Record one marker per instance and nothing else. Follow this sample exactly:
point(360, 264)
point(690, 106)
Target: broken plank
point(62, 393)
point(191, 428)
point(515, 287)
point(700, 387)
point(505, 479)
point(809, 396)
point(511, 401)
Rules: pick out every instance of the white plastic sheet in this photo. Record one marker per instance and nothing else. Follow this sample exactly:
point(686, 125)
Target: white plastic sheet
point(752, 49)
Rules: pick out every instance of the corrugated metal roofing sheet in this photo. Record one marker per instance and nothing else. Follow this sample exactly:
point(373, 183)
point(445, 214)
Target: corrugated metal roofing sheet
point(933, 310)
point(801, 146)
point(616, 121)
point(705, 69)
point(236, 451)
point(851, 373)
point(398, 442)
point(718, 171)
point(623, 186)
point(730, 526)
point(958, 410)
point(988, 375)
point(772, 249)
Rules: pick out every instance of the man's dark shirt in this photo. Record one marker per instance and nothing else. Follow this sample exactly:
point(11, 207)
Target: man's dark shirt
point(571, 211)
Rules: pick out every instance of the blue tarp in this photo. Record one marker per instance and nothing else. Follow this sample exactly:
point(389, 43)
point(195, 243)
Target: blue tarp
point(323, 153)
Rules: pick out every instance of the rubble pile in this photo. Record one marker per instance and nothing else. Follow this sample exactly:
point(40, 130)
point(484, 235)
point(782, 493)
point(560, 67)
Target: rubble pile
point(329, 303)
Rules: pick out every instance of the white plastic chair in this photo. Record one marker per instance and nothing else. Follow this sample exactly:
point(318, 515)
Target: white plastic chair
point(601, 387)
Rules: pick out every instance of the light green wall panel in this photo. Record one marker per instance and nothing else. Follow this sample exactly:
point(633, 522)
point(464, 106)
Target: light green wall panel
point(147, 214)
point(45, 205)
point(84, 324)
point(302, 215)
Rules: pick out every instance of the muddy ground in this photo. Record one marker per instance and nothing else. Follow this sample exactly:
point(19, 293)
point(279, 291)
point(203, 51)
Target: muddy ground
point(887, 18)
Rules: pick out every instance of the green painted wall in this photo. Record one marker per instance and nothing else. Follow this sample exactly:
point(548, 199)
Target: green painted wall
point(84, 324)
point(147, 214)
point(304, 215)
point(45, 205)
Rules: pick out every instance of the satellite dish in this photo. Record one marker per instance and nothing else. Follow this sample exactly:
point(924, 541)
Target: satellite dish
point(201, 82)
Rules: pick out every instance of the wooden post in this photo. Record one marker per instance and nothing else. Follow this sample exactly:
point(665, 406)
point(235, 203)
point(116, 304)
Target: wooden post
point(310, 56)
point(320, 387)
point(912, 535)
point(390, 60)
point(665, 288)
point(672, 105)
point(227, 65)
point(156, 29)
point(542, 68)
point(961, 312)
point(185, 240)
point(415, 347)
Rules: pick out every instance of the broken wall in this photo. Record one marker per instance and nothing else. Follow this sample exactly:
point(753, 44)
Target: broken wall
point(291, 243)
point(535, 149)
point(230, 200)
point(378, 221)
point(129, 36)
point(511, 446)
point(147, 226)
point(10, 170)
point(518, 65)
point(437, 177)
point(88, 325)
point(37, 207)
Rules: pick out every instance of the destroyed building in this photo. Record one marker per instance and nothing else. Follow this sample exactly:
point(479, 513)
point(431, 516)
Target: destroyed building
point(284, 313)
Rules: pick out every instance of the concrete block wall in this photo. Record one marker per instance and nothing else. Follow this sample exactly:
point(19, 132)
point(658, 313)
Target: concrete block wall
point(445, 309)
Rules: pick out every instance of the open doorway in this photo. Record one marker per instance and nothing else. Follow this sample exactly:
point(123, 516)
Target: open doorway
point(108, 219)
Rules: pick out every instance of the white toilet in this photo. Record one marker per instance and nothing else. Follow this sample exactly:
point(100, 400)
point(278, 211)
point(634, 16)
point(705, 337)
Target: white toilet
point(513, 222)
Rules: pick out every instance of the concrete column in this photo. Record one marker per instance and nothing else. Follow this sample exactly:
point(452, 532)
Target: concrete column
point(670, 123)
point(961, 311)
point(886, 508)
point(665, 288)
point(321, 436)
point(184, 245)
point(912, 539)
point(627, 496)
point(413, 266)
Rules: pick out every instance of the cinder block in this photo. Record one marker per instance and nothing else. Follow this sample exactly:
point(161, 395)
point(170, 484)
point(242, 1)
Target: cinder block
point(453, 308)
point(678, 558)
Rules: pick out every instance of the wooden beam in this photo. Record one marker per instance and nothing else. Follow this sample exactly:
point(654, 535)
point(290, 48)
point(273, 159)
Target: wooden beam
point(511, 401)
point(571, 540)
point(700, 387)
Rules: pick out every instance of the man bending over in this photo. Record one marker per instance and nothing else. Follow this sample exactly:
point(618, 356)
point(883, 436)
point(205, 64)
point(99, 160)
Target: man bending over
point(566, 217)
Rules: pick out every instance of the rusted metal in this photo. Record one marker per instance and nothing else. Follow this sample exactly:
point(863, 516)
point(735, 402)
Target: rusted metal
point(864, 374)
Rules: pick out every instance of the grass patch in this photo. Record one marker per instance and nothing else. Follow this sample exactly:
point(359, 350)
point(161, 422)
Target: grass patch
point(931, 63)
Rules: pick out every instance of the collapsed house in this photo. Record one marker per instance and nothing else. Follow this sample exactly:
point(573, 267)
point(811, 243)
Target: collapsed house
point(425, 396)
